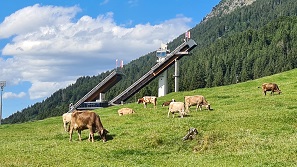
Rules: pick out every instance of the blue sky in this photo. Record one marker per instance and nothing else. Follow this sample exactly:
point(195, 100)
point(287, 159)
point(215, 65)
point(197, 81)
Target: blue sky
point(47, 44)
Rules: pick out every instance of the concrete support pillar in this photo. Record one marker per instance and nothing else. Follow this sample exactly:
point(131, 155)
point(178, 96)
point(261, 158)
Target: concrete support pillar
point(176, 76)
point(163, 84)
point(101, 97)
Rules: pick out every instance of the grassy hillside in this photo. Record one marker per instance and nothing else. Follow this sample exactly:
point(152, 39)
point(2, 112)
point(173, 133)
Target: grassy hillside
point(245, 128)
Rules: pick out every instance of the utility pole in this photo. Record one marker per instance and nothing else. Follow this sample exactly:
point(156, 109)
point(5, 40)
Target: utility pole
point(2, 85)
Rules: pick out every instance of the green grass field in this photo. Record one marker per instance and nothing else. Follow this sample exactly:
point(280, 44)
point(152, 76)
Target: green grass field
point(245, 128)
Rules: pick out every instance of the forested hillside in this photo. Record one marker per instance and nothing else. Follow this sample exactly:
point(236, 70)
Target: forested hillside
point(250, 42)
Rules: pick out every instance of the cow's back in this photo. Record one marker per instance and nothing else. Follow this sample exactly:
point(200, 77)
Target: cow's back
point(81, 120)
point(193, 100)
point(124, 111)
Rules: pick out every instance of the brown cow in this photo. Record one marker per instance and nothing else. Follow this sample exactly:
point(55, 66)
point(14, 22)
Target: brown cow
point(166, 103)
point(197, 100)
point(124, 111)
point(270, 87)
point(148, 99)
point(87, 120)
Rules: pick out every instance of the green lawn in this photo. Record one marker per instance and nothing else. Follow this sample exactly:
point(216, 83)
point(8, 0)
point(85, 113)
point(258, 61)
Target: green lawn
point(245, 128)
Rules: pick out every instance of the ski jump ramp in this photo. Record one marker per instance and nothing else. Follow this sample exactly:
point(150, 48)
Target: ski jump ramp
point(155, 71)
point(102, 87)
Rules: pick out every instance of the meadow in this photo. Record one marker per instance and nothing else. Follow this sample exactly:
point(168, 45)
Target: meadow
point(245, 128)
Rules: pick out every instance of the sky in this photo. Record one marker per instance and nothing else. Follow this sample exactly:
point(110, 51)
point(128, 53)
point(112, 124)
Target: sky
point(45, 45)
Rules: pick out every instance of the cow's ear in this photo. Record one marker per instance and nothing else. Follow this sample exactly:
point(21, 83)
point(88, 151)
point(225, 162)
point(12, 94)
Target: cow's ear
point(106, 131)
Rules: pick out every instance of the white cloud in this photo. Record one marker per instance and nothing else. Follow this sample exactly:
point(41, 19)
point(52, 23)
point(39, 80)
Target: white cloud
point(50, 50)
point(10, 95)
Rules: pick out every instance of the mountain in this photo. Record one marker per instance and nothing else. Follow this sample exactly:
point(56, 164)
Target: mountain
point(239, 40)
point(227, 7)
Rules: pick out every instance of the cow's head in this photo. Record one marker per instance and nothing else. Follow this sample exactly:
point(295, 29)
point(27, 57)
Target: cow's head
point(208, 106)
point(103, 134)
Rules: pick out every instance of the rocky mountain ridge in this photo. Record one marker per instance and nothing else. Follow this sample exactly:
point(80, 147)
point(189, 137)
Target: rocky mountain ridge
point(226, 7)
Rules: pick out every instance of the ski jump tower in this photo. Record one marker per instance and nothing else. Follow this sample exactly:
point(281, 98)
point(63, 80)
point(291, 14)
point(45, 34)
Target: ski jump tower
point(163, 84)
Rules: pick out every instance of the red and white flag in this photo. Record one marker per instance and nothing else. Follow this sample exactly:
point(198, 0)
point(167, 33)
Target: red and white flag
point(188, 34)
point(122, 64)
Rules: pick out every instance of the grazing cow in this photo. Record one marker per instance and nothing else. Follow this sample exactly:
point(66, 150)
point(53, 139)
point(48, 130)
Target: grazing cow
point(177, 107)
point(124, 111)
point(166, 103)
point(148, 99)
point(87, 120)
point(270, 87)
point(197, 100)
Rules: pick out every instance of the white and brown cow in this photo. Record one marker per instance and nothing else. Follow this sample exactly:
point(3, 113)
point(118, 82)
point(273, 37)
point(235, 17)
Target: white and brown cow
point(124, 111)
point(87, 120)
point(148, 99)
point(196, 100)
point(270, 87)
point(176, 107)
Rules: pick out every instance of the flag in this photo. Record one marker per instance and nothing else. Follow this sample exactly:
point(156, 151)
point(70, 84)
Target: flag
point(122, 64)
point(188, 34)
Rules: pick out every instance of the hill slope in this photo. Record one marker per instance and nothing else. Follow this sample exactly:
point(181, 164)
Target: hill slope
point(245, 128)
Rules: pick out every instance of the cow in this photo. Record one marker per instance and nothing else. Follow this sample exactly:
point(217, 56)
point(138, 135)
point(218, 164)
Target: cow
point(66, 121)
point(124, 111)
point(166, 103)
point(87, 120)
point(270, 87)
point(176, 107)
point(148, 99)
point(197, 100)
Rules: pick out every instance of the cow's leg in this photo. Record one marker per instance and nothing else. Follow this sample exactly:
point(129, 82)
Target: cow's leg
point(79, 134)
point(91, 135)
point(70, 133)
point(264, 92)
point(187, 108)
